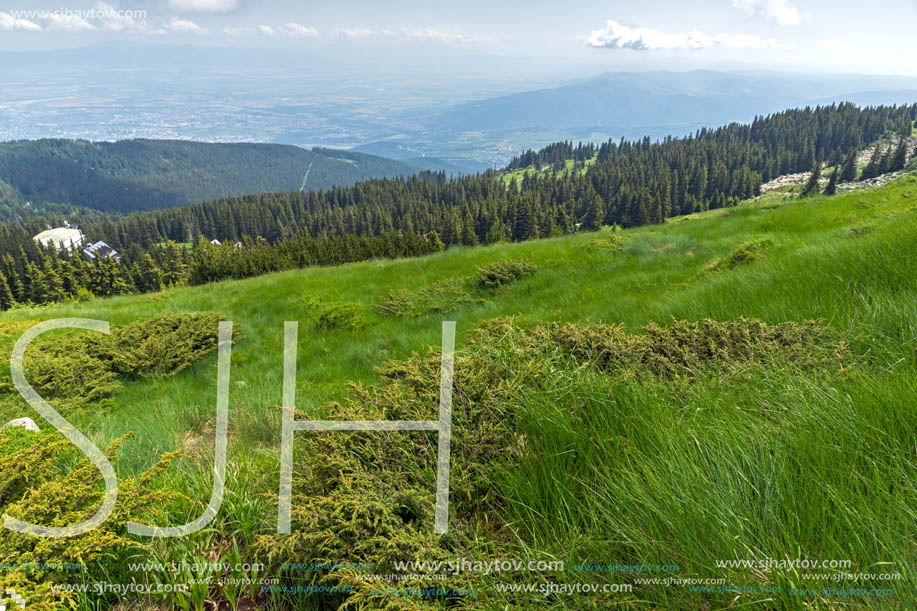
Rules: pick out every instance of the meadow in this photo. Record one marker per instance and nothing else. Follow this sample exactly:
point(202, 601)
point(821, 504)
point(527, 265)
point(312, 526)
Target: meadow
point(768, 443)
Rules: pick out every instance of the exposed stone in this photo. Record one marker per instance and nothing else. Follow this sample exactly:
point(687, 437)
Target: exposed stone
point(26, 423)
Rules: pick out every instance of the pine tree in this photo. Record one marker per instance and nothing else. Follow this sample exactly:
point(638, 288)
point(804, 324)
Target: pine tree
point(495, 233)
point(886, 163)
point(900, 159)
point(54, 285)
point(592, 220)
point(849, 173)
point(812, 185)
point(873, 168)
point(831, 189)
point(148, 277)
point(173, 265)
point(6, 295)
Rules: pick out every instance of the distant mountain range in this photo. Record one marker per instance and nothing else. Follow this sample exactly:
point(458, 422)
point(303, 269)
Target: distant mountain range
point(657, 104)
point(150, 174)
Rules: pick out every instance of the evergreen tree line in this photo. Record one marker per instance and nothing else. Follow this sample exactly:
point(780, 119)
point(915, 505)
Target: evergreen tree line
point(35, 274)
point(892, 159)
point(210, 262)
point(632, 183)
point(48, 276)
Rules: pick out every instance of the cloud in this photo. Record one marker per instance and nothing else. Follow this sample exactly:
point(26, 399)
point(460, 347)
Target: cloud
point(617, 36)
point(351, 33)
point(833, 44)
point(288, 30)
point(238, 30)
point(8, 23)
point(113, 21)
point(778, 11)
point(445, 36)
point(178, 25)
point(68, 22)
point(204, 6)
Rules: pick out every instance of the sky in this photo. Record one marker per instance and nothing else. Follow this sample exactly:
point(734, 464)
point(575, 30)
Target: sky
point(798, 35)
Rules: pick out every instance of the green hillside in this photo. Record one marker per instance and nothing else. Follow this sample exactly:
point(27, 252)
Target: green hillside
point(651, 396)
point(133, 175)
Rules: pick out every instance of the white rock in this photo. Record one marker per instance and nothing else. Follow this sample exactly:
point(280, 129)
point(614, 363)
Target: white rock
point(26, 423)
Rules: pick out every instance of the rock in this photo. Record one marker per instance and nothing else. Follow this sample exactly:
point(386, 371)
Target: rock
point(26, 423)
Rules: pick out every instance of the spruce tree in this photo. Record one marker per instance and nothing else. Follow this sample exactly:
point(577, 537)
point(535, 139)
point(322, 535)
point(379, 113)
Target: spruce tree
point(6, 295)
point(886, 163)
point(592, 220)
point(812, 185)
point(873, 168)
point(900, 159)
point(849, 173)
point(831, 189)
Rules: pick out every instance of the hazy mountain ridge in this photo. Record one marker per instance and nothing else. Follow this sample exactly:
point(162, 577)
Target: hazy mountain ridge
point(133, 175)
point(666, 103)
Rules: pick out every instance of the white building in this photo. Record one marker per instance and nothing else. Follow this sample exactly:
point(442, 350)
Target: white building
point(62, 238)
point(101, 250)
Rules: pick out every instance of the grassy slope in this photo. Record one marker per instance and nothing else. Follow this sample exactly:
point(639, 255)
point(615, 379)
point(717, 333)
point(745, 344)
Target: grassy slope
point(780, 467)
point(517, 175)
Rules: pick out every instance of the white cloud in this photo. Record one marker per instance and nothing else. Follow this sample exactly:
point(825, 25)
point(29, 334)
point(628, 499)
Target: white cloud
point(443, 36)
point(204, 6)
point(350, 33)
point(288, 30)
point(833, 44)
point(779, 11)
point(617, 36)
point(113, 21)
point(68, 22)
point(8, 22)
point(238, 31)
point(183, 26)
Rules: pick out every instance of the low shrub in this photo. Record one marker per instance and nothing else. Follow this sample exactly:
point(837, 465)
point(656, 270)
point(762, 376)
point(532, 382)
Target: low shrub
point(856, 232)
point(502, 273)
point(343, 316)
point(442, 297)
point(36, 489)
point(370, 496)
point(76, 369)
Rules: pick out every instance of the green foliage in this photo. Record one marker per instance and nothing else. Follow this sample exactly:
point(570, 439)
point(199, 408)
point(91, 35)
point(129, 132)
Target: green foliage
point(161, 346)
point(342, 316)
point(849, 171)
point(407, 217)
point(831, 187)
point(148, 174)
point(502, 273)
point(442, 297)
point(368, 498)
point(811, 186)
point(565, 450)
point(856, 232)
point(36, 487)
point(612, 242)
point(84, 295)
point(76, 369)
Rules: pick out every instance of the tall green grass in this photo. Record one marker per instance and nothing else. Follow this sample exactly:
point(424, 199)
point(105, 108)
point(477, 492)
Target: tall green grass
point(775, 464)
